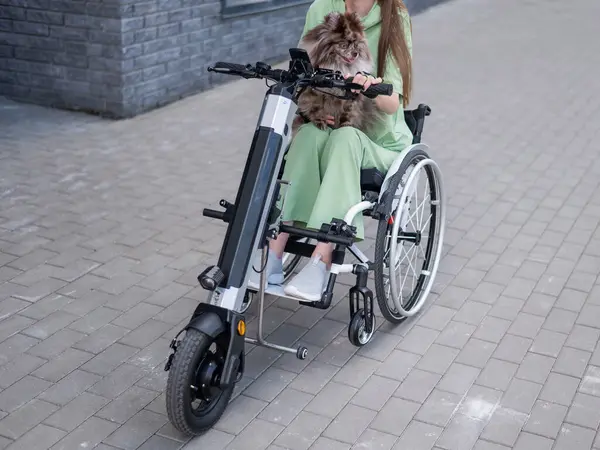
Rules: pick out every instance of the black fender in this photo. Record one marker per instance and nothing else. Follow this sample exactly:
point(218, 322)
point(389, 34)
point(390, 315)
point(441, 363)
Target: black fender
point(207, 322)
point(213, 321)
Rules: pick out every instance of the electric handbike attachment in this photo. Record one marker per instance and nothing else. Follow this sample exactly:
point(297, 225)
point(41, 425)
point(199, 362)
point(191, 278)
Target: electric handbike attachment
point(207, 362)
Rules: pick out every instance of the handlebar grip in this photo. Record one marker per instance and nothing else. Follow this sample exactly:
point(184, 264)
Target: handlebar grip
point(230, 66)
point(379, 89)
point(274, 74)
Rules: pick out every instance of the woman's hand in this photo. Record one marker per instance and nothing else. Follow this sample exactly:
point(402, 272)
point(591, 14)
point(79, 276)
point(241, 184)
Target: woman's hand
point(389, 104)
point(365, 81)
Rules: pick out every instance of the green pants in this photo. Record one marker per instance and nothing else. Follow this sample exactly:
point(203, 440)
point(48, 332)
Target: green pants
point(323, 169)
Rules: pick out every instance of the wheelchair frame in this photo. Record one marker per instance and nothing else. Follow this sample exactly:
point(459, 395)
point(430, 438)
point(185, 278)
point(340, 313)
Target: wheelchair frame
point(373, 195)
point(195, 372)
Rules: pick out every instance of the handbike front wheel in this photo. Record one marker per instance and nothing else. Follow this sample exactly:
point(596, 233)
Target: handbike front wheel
point(195, 402)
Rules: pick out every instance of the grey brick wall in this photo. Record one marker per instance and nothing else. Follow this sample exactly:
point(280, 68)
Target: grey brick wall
point(64, 53)
point(170, 44)
point(123, 57)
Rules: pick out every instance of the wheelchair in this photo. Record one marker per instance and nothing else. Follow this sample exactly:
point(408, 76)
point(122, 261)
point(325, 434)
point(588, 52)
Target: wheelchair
point(407, 202)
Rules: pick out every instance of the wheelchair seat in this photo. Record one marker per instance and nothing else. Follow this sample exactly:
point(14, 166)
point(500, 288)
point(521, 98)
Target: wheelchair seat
point(371, 179)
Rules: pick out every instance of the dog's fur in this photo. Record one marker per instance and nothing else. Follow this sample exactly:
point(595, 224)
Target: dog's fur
point(339, 43)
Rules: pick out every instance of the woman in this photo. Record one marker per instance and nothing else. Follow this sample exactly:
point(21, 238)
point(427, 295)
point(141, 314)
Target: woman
point(323, 167)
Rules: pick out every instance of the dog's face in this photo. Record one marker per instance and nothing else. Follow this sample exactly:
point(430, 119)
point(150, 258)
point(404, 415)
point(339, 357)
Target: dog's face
point(339, 43)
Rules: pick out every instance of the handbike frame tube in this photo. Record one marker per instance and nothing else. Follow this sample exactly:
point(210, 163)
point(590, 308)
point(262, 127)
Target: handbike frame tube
point(255, 195)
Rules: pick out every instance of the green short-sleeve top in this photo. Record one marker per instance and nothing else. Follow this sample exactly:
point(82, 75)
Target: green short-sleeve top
point(393, 133)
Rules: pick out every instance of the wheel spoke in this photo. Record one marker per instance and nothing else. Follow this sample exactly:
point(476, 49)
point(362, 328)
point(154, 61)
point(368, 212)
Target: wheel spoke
point(405, 277)
point(413, 268)
point(422, 252)
point(399, 261)
point(410, 219)
point(413, 250)
point(428, 220)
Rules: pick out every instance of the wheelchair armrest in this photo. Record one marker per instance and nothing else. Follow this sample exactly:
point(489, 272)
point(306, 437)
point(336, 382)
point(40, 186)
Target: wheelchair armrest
point(425, 109)
point(415, 119)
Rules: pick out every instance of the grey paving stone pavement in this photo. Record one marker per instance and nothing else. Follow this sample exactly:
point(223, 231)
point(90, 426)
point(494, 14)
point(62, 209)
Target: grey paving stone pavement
point(101, 239)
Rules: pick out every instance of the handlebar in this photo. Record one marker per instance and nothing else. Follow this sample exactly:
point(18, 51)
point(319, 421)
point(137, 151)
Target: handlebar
point(321, 78)
point(261, 70)
point(348, 84)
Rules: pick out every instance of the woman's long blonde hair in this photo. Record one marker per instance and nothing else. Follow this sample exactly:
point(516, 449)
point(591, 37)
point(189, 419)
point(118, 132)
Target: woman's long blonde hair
point(392, 41)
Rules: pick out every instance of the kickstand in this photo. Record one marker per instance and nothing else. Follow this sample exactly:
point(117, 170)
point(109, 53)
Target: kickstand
point(300, 352)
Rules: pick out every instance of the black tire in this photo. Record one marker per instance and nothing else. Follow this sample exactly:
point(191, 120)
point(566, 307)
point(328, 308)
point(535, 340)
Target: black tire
point(356, 329)
point(412, 158)
point(191, 352)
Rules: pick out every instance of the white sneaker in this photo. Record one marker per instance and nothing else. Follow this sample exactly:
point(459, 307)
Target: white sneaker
point(309, 284)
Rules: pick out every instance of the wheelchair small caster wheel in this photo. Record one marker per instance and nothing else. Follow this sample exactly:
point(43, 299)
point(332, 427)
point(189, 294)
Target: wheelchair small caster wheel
point(302, 353)
point(357, 333)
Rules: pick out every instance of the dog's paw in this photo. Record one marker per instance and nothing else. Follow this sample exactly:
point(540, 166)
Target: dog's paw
point(321, 124)
point(348, 123)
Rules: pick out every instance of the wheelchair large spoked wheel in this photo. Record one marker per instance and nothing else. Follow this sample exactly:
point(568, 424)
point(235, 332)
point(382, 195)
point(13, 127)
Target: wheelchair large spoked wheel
point(408, 245)
point(194, 400)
